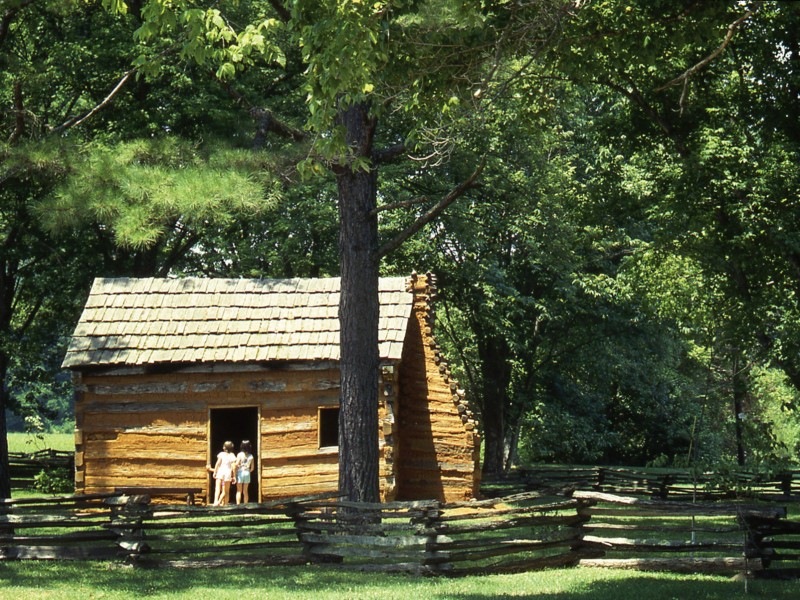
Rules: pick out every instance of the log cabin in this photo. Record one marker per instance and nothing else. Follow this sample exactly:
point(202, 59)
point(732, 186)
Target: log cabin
point(166, 370)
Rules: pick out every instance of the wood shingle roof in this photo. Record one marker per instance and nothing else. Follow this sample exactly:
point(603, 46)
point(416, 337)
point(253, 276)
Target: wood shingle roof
point(151, 320)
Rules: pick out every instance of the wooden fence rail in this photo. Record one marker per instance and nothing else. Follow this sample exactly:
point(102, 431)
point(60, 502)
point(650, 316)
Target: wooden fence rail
point(775, 543)
point(500, 535)
point(679, 484)
point(25, 466)
point(65, 528)
point(647, 534)
point(517, 533)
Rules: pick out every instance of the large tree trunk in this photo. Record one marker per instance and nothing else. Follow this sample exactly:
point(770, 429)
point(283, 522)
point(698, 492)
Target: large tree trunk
point(493, 352)
point(739, 396)
point(358, 317)
point(5, 472)
point(7, 285)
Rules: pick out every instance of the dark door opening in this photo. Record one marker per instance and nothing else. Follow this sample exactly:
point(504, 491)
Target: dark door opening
point(235, 425)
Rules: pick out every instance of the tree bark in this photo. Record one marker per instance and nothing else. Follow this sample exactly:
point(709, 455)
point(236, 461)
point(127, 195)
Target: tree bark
point(5, 472)
point(496, 377)
point(739, 395)
point(358, 315)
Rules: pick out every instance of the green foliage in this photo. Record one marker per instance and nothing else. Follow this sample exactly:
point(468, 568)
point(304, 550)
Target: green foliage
point(142, 190)
point(54, 482)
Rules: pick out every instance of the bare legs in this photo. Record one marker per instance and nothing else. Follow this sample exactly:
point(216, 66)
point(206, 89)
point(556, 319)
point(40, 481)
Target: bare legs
point(222, 493)
point(242, 492)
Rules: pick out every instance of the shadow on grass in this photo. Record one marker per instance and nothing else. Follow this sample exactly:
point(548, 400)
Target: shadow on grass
point(320, 582)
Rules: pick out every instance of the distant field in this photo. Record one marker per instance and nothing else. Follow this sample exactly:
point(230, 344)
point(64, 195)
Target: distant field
point(24, 442)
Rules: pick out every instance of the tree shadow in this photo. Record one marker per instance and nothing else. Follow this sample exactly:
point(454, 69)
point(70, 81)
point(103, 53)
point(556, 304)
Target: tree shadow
point(330, 582)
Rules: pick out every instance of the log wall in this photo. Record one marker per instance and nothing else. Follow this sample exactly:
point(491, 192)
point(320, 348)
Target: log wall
point(438, 447)
point(152, 429)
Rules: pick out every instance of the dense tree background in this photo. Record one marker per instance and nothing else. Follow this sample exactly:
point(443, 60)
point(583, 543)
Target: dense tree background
point(618, 280)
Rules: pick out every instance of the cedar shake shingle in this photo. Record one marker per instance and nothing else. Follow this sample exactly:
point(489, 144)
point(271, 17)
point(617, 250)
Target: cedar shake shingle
point(130, 321)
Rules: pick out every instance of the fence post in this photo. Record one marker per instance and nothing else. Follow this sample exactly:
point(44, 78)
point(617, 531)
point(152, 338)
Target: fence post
point(436, 561)
point(601, 478)
point(6, 529)
point(786, 483)
point(127, 518)
point(579, 547)
point(294, 511)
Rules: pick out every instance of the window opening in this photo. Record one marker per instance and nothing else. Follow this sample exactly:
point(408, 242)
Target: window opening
point(328, 427)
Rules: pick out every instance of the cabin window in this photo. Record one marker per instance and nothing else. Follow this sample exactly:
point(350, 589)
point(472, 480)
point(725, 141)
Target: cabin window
point(328, 421)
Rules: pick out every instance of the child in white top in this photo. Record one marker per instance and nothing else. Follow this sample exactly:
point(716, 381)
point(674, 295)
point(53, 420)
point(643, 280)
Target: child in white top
point(224, 474)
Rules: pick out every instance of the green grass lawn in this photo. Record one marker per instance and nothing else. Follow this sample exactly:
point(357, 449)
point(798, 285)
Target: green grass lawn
point(25, 442)
point(111, 581)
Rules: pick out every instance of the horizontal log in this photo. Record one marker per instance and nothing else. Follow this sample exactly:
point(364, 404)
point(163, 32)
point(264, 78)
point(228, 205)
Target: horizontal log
point(484, 542)
point(519, 566)
point(513, 510)
point(235, 546)
point(198, 524)
point(361, 552)
point(59, 553)
point(771, 525)
point(681, 565)
point(405, 541)
point(696, 510)
point(633, 545)
point(248, 532)
point(317, 526)
point(512, 547)
point(60, 538)
point(39, 520)
point(534, 521)
point(217, 563)
point(658, 526)
point(76, 501)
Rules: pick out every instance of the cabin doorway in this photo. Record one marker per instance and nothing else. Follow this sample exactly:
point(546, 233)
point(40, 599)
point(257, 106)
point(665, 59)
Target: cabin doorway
point(235, 425)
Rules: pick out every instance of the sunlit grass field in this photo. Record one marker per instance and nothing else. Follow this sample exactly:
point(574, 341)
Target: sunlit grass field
point(112, 581)
point(25, 442)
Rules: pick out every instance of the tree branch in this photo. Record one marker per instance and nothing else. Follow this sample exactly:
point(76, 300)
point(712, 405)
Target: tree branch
point(638, 99)
point(8, 17)
point(283, 12)
point(265, 119)
point(401, 204)
point(19, 110)
point(267, 122)
point(75, 121)
point(388, 154)
point(433, 212)
point(686, 75)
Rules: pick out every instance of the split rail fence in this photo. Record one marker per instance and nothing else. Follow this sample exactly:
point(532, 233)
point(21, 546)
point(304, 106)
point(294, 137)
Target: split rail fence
point(24, 466)
point(518, 533)
point(502, 535)
point(677, 484)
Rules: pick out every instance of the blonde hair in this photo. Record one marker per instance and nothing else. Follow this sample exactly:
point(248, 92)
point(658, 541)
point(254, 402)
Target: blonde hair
point(228, 446)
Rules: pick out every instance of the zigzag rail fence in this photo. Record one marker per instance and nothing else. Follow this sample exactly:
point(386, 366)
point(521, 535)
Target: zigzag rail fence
point(25, 466)
point(677, 484)
point(519, 532)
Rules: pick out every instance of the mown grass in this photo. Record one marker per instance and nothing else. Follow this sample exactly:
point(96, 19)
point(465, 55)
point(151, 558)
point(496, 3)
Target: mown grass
point(112, 581)
point(25, 442)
